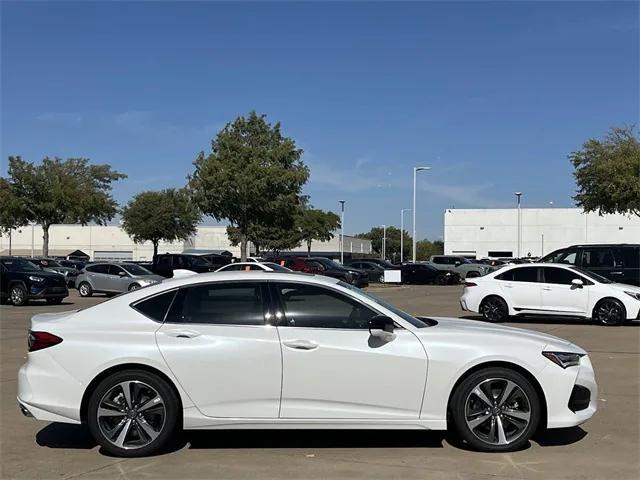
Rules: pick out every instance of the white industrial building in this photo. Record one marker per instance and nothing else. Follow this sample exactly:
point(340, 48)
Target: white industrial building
point(112, 243)
point(482, 233)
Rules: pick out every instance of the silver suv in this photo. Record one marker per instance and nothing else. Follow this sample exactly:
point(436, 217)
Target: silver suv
point(112, 278)
point(461, 265)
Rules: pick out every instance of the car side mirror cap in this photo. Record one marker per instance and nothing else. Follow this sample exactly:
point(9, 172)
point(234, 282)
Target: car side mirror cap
point(576, 282)
point(382, 327)
point(122, 274)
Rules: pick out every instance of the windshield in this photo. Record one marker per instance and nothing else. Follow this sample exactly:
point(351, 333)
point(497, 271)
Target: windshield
point(134, 269)
point(275, 267)
point(402, 314)
point(328, 263)
point(593, 276)
point(18, 265)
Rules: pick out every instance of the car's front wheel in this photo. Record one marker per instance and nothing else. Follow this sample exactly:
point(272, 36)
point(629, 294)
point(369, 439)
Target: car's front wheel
point(495, 410)
point(18, 295)
point(85, 290)
point(609, 312)
point(133, 413)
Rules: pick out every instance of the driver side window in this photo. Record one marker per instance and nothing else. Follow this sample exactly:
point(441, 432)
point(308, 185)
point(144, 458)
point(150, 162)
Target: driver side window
point(311, 306)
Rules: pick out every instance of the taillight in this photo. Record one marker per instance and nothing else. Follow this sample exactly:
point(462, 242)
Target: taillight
point(40, 340)
point(470, 284)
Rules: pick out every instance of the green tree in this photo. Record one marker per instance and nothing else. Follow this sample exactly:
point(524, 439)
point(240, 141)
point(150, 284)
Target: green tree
point(252, 177)
point(392, 249)
point(63, 191)
point(426, 248)
point(607, 173)
point(315, 224)
point(11, 210)
point(167, 215)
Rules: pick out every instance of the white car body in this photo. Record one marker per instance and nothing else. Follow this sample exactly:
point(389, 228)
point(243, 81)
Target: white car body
point(267, 376)
point(535, 298)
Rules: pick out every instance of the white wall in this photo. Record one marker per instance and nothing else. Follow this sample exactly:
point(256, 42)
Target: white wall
point(63, 239)
point(484, 230)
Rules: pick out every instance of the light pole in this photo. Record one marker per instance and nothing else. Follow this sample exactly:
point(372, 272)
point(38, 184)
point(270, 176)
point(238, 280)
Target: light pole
point(402, 232)
point(341, 202)
point(518, 195)
point(33, 224)
point(415, 171)
point(384, 242)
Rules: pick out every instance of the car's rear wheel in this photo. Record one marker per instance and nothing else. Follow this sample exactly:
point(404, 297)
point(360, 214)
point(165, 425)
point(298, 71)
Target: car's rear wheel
point(18, 295)
point(85, 290)
point(54, 301)
point(495, 410)
point(494, 309)
point(133, 413)
point(609, 312)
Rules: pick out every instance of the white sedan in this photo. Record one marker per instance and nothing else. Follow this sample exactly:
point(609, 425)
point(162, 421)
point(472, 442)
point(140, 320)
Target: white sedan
point(551, 289)
point(277, 350)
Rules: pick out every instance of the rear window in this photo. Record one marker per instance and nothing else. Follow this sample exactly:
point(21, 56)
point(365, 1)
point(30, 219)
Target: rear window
point(156, 307)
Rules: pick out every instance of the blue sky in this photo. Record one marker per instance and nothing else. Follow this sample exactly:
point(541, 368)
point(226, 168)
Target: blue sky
point(493, 96)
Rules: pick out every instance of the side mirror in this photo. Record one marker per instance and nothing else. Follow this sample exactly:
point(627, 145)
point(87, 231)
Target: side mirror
point(381, 326)
point(458, 263)
point(576, 282)
point(122, 274)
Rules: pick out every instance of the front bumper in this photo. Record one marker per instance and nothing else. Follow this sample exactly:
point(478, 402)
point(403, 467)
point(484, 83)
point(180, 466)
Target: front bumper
point(571, 394)
point(36, 292)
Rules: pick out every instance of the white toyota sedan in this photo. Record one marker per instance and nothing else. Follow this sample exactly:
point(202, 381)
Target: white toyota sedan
point(551, 289)
point(262, 350)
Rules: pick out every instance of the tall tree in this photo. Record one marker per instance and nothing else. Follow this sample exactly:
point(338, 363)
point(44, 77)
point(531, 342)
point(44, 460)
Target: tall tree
point(63, 191)
point(426, 248)
point(167, 215)
point(315, 224)
point(392, 250)
point(252, 177)
point(11, 210)
point(607, 173)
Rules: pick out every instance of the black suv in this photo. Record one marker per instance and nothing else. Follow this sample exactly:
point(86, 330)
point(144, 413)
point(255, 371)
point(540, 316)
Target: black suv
point(619, 263)
point(21, 281)
point(165, 263)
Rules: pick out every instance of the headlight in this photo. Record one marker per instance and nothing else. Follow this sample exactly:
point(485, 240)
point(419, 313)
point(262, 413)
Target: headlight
point(564, 359)
point(36, 279)
point(633, 294)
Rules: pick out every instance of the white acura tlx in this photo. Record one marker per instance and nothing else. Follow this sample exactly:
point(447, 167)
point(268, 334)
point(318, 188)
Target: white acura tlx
point(263, 350)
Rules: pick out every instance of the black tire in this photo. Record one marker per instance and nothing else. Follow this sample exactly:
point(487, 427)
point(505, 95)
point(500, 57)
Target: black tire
point(54, 301)
point(441, 280)
point(163, 419)
point(609, 312)
point(84, 289)
point(494, 309)
point(479, 424)
point(18, 295)
point(134, 286)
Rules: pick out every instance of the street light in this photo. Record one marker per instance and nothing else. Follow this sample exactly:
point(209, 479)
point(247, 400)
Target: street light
point(384, 242)
point(415, 171)
point(402, 232)
point(342, 202)
point(518, 195)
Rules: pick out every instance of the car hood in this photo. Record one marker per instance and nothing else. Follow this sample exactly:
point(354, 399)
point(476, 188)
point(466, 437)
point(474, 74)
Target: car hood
point(458, 326)
point(60, 269)
point(44, 274)
point(625, 287)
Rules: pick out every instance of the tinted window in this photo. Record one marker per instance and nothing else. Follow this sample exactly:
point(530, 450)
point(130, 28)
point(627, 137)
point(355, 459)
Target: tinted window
point(317, 307)
point(439, 260)
point(559, 276)
point(156, 307)
point(569, 257)
point(165, 261)
point(595, 258)
point(134, 269)
point(629, 257)
point(18, 265)
point(219, 303)
point(98, 268)
point(525, 274)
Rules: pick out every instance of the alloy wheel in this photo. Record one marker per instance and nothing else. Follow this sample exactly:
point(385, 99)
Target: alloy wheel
point(497, 411)
point(494, 309)
point(610, 313)
point(131, 415)
point(17, 295)
point(84, 290)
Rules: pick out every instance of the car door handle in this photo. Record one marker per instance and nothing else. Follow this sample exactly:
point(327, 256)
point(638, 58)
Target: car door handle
point(300, 344)
point(508, 286)
point(181, 333)
point(546, 288)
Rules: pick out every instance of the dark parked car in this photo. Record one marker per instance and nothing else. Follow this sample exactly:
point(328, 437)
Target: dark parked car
point(421, 273)
point(619, 263)
point(386, 264)
point(21, 281)
point(373, 270)
point(50, 265)
point(77, 264)
point(352, 275)
point(165, 263)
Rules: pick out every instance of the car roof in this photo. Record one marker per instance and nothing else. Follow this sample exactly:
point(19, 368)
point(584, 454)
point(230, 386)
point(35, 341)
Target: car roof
point(601, 245)
point(246, 275)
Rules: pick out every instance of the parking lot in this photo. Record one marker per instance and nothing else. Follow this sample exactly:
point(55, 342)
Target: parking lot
point(606, 447)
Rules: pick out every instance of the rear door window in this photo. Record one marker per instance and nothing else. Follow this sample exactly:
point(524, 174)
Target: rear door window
point(628, 257)
point(559, 276)
point(597, 258)
point(156, 307)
